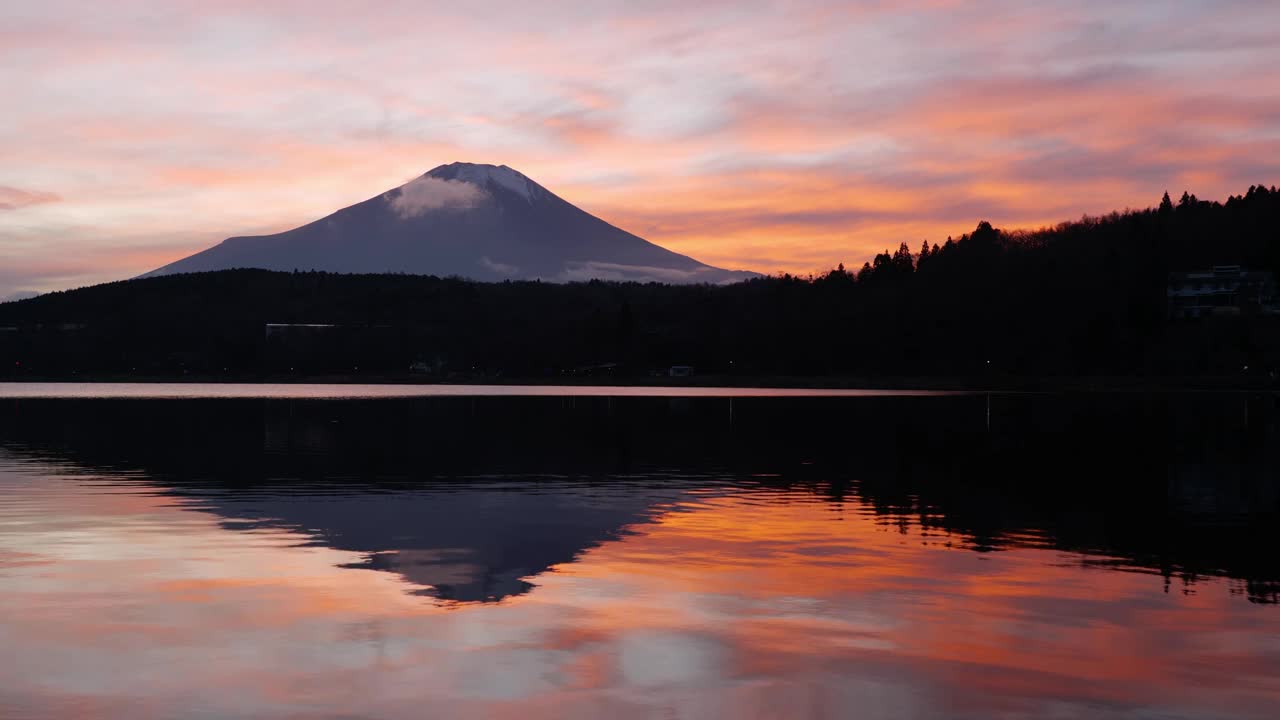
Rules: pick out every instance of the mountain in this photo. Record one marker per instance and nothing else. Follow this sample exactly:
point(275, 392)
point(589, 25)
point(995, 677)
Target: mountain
point(483, 222)
point(1099, 298)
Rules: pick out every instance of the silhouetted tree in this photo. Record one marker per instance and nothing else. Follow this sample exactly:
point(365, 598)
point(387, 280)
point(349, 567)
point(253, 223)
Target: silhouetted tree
point(902, 260)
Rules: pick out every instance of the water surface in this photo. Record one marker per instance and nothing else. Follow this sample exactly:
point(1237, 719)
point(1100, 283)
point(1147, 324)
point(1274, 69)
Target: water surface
point(641, 557)
point(347, 391)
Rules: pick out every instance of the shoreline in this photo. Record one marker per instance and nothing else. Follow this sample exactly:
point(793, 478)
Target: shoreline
point(925, 384)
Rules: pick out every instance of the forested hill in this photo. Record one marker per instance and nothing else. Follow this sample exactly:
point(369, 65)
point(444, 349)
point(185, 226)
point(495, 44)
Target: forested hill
point(1082, 298)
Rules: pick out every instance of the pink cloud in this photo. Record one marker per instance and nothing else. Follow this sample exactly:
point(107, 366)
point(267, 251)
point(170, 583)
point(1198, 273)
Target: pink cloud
point(739, 133)
point(424, 194)
point(12, 198)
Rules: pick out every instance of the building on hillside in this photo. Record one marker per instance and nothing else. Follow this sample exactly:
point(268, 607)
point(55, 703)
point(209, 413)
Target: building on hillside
point(1224, 290)
point(286, 329)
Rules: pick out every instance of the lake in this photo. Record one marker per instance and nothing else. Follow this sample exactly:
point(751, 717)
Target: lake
point(305, 551)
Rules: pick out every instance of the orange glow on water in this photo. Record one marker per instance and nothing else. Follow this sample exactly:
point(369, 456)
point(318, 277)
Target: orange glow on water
point(750, 603)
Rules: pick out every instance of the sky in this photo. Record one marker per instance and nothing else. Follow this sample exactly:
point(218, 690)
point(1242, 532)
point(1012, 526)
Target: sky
point(770, 136)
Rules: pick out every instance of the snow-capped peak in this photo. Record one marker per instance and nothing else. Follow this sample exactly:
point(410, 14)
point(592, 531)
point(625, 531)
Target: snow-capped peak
point(482, 175)
point(486, 222)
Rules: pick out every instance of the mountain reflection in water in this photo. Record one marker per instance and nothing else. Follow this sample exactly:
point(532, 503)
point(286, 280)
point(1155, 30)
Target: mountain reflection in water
point(960, 556)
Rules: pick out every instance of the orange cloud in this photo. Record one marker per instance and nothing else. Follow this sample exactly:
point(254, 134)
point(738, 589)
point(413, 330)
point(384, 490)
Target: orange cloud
point(745, 134)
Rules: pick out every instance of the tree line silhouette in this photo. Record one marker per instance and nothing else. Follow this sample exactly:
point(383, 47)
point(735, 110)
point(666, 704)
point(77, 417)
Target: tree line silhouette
point(1183, 485)
point(1083, 298)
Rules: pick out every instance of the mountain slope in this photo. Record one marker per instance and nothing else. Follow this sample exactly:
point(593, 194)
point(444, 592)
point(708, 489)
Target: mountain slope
point(483, 222)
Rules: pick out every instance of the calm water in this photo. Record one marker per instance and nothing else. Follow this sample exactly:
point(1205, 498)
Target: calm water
point(302, 391)
point(963, 556)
